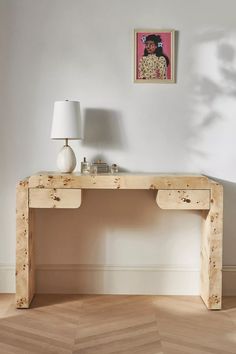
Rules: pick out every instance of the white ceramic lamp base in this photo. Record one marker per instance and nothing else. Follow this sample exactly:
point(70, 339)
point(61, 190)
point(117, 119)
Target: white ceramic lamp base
point(66, 160)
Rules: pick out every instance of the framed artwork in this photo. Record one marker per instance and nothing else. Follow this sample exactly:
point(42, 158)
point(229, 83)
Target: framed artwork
point(154, 56)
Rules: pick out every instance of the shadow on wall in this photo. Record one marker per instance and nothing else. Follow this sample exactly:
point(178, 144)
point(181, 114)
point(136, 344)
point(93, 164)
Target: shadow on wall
point(111, 227)
point(213, 117)
point(103, 130)
point(213, 112)
point(101, 214)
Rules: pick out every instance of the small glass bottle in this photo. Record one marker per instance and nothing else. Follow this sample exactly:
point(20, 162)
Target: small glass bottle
point(93, 170)
point(85, 167)
point(114, 168)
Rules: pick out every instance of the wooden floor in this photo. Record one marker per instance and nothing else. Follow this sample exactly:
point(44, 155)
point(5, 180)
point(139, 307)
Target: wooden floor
point(76, 324)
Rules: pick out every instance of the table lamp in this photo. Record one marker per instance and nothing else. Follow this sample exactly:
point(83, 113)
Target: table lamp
point(66, 125)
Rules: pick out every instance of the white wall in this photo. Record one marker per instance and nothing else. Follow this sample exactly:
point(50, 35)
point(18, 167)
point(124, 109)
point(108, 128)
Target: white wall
point(83, 50)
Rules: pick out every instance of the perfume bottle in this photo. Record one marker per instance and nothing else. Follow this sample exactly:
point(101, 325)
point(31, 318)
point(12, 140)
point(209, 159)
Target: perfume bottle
point(85, 167)
point(114, 168)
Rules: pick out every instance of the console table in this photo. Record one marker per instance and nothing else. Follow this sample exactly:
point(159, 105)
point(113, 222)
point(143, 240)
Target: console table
point(55, 190)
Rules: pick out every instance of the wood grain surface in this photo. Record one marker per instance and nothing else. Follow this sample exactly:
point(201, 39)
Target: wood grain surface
point(76, 324)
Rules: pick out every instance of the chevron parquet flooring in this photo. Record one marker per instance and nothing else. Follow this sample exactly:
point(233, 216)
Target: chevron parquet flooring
point(110, 324)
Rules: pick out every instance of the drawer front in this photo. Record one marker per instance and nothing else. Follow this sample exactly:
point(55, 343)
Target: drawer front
point(198, 199)
point(54, 198)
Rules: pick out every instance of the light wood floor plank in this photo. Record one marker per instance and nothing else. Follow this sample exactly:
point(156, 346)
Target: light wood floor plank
point(191, 329)
point(108, 324)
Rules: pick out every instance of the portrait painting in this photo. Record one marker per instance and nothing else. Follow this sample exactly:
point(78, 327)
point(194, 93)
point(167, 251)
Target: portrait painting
point(154, 56)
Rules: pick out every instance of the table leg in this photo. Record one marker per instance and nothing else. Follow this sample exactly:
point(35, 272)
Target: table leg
point(25, 277)
point(211, 250)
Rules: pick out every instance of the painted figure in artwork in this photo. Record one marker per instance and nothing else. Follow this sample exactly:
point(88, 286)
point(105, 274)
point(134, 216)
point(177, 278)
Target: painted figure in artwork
point(153, 64)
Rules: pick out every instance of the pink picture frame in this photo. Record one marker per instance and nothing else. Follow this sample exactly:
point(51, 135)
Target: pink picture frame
point(154, 56)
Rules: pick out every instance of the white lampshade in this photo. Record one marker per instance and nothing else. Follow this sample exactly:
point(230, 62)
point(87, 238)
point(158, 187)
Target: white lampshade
point(66, 122)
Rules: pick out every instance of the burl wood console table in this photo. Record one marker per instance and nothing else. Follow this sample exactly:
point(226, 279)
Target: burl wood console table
point(54, 190)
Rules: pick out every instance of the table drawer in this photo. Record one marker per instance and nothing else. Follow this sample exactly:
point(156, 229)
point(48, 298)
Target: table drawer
point(54, 198)
point(198, 199)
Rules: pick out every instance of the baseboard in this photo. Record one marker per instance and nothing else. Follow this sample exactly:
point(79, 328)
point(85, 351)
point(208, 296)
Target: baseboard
point(116, 279)
point(7, 278)
point(229, 280)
